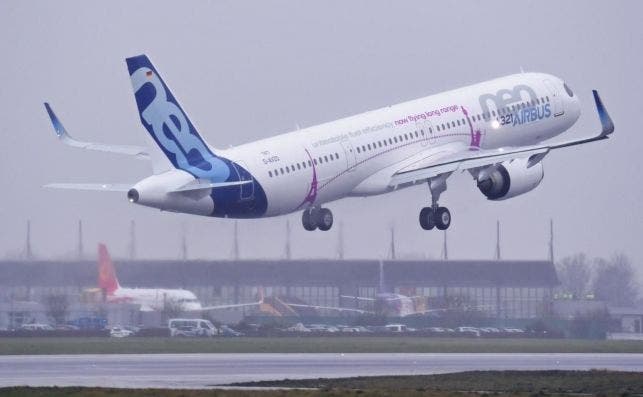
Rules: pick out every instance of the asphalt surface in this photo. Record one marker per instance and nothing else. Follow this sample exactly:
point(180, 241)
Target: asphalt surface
point(209, 370)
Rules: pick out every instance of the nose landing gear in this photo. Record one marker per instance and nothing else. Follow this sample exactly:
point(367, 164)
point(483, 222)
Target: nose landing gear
point(436, 216)
point(317, 218)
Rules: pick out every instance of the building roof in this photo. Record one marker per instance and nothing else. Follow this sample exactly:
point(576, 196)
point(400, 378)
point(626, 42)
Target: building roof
point(191, 273)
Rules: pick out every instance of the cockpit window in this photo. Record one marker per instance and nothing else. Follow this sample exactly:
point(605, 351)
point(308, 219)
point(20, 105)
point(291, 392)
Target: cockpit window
point(569, 90)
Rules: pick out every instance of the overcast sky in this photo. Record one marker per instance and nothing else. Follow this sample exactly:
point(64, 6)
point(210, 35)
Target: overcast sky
point(249, 70)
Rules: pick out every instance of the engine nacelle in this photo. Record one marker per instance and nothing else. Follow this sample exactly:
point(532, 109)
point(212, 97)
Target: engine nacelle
point(509, 179)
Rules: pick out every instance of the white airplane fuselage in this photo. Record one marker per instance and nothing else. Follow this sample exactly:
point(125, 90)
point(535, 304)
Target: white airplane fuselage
point(156, 299)
point(356, 156)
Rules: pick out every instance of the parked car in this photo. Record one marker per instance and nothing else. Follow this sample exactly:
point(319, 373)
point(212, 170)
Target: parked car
point(66, 327)
point(120, 332)
point(468, 331)
point(299, 327)
point(36, 327)
point(224, 330)
point(322, 328)
point(513, 330)
point(396, 328)
point(191, 327)
point(356, 329)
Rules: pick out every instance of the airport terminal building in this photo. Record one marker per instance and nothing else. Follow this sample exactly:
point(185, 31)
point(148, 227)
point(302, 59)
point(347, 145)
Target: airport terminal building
point(497, 289)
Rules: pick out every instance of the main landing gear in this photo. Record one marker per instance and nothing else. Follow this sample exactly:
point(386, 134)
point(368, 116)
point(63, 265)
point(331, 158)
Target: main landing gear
point(436, 216)
point(317, 218)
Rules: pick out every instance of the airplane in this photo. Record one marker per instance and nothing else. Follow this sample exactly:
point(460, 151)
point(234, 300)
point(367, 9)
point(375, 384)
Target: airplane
point(150, 299)
point(384, 303)
point(496, 130)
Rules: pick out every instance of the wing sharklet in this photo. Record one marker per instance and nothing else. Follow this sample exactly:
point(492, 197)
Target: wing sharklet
point(64, 137)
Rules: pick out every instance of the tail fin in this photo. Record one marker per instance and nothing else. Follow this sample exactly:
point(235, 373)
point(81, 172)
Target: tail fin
point(169, 125)
point(106, 273)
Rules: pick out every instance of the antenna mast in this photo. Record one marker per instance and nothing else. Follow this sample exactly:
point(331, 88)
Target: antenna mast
point(288, 252)
point(28, 251)
point(132, 239)
point(80, 239)
point(340, 241)
point(392, 243)
point(498, 256)
point(551, 240)
point(184, 243)
point(445, 250)
point(235, 247)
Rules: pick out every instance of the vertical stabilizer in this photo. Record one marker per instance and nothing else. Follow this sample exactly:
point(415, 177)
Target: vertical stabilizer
point(107, 280)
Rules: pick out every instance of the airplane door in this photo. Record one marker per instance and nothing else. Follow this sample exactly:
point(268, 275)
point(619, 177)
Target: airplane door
point(349, 152)
point(556, 101)
point(247, 190)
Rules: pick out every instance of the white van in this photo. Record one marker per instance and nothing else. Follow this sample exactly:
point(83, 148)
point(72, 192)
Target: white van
point(191, 327)
point(396, 328)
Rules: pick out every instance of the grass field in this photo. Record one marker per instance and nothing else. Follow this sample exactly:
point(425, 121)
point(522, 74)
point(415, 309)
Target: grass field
point(312, 345)
point(497, 383)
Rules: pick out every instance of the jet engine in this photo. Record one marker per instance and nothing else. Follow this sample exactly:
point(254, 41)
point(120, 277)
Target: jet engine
point(509, 179)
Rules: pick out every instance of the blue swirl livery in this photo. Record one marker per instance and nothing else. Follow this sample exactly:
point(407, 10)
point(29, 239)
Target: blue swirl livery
point(174, 133)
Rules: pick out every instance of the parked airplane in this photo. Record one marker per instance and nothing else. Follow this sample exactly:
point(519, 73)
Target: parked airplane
point(150, 299)
point(495, 130)
point(384, 303)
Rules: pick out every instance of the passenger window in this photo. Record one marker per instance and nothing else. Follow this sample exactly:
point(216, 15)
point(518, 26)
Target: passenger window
point(298, 166)
point(369, 146)
point(379, 143)
point(321, 160)
point(493, 113)
point(326, 159)
point(453, 124)
point(303, 164)
point(385, 144)
point(395, 139)
point(336, 156)
point(358, 151)
point(390, 141)
point(363, 148)
point(547, 98)
point(282, 171)
point(315, 160)
point(417, 135)
point(270, 174)
point(288, 169)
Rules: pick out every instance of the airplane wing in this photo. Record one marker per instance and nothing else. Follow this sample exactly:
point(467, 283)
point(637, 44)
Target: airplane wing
point(62, 134)
point(219, 307)
point(441, 163)
point(359, 298)
point(124, 187)
point(104, 187)
point(340, 309)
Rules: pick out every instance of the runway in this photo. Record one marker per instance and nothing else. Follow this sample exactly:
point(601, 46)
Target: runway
point(209, 370)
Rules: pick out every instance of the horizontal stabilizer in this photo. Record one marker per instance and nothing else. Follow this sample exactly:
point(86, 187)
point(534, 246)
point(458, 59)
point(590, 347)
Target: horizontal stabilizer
point(105, 187)
point(197, 185)
point(63, 135)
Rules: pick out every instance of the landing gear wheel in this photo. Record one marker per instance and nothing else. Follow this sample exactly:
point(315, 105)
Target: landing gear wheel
point(426, 218)
point(308, 220)
point(442, 218)
point(324, 219)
